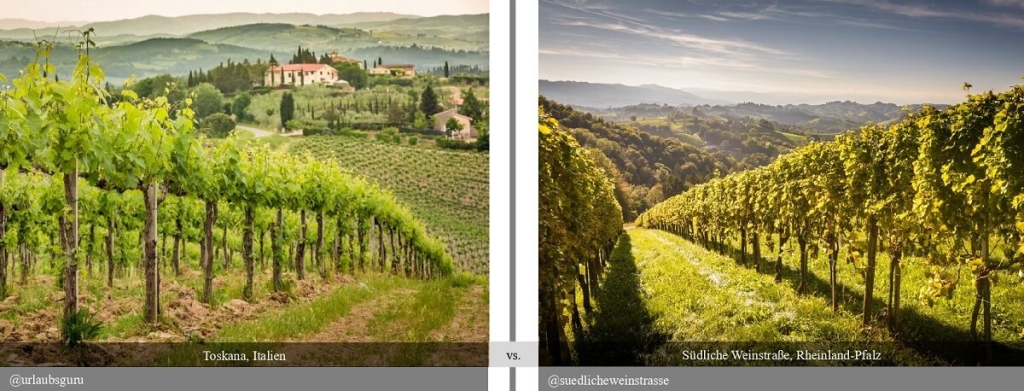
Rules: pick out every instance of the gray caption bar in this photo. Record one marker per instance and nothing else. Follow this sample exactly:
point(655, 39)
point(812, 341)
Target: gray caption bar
point(788, 378)
point(247, 379)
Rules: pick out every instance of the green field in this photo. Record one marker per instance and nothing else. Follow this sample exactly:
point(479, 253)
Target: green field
point(661, 289)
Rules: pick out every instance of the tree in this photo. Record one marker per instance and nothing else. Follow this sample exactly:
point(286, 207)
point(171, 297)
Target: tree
point(208, 100)
point(218, 125)
point(452, 126)
point(163, 85)
point(287, 109)
point(352, 74)
point(273, 61)
point(396, 115)
point(240, 106)
point(471, 106)
point(446, 69)
point(483, 143)
point(421, 122)
point(428, 102)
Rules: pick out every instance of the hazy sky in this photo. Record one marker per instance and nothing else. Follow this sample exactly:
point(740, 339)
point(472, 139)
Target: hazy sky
point(865, 50)
point(104, 10)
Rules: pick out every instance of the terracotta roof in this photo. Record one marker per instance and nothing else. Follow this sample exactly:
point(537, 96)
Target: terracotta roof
point(338, 58)
point(410, 66)
point(298, 67)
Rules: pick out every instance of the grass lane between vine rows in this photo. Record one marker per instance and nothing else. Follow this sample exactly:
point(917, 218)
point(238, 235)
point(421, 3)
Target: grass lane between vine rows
point(383, 320)
point(660, 288)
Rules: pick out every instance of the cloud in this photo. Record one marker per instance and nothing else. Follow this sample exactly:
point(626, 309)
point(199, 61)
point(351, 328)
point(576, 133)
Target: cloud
point(744, 15)
point(775, 13)
point(680, 15)
point(1005, 3)
point(923, 11)
point(724, 16)
point(699, 51)
point(679, 38)
point(715, 18)
point(683, 63)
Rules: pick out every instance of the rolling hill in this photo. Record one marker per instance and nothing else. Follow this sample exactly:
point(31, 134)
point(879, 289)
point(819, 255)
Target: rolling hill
point(151, 57)
point(470, 28)
point(183, 25)
point(17, 23)
point(831, 117)
point(281, 37)
point(598, 95)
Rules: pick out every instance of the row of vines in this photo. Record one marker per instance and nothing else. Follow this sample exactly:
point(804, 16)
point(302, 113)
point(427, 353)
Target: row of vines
point(580, 221)
point(67, 152)
point(944, 186)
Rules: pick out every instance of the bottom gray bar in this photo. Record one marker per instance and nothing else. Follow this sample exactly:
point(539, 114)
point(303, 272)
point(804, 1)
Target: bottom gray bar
point(786, 378)
point(247, 379)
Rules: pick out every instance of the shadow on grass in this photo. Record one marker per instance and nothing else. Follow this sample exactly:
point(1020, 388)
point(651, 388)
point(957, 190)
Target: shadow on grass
point(622, 331)
point(919, 332)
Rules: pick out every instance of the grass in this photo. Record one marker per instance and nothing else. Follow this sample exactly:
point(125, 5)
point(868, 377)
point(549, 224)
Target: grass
point(796, 139)
point(411, 321)
point(303, 319)
point(401, 329)
point(660, 288)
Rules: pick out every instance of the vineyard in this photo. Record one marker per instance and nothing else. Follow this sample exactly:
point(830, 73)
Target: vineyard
point(578, 215)
point(104, 205)
point(790, 252)
point(447, 190)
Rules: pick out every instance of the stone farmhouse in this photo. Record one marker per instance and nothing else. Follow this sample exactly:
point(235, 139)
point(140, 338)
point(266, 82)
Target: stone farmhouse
point(300, 75)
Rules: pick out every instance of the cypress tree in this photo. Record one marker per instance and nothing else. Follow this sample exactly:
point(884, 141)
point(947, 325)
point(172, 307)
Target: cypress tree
point(287, 109)
point(428, 102)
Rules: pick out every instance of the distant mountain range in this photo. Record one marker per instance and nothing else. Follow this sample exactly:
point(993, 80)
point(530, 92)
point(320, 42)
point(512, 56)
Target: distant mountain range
point(618, 102)
point(12, 23)
point(183, 25)
point(598, 95)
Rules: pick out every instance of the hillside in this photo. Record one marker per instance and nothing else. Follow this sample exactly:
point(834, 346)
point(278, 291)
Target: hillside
point(600, 95)
point(646, 168)
point(829, 117)
point(618, 102)
point(824, 119)
point(183, 25)
point(281, 37)
point(358, 43)
point(18, 23)
point(151, 57)
point(470, 28)
point(447, 190)
point(423, 57)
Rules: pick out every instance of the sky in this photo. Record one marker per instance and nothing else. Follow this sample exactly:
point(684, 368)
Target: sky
point(106, 10)
point(803, 51)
